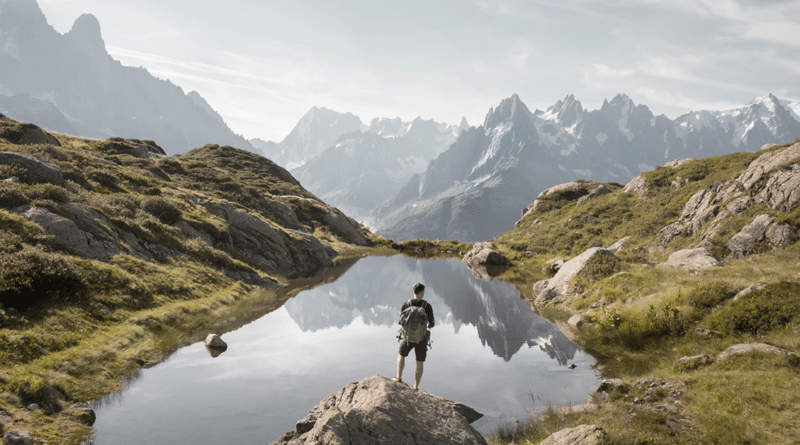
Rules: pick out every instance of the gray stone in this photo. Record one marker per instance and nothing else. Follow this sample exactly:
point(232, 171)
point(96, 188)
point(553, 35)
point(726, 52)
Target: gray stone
point(18, 437)
point(766, 163)
point(695, 361)
point(215, 342)
point(619, 244)
point(693, 259)
point(84, 412)
point(36, 170)
point(747, 291)
point(33, 407)
point(751, 347)
point(704, 332)
point(485, 254)
point(637, 185)
point(377, 410)
point(780, 235)
point(580, 435)
point(546, 290)
point(70, 235)
point(599, 191)
point(742, 243)
point(575, 321)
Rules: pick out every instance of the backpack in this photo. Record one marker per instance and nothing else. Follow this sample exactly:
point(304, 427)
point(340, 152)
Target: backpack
point(414, 324)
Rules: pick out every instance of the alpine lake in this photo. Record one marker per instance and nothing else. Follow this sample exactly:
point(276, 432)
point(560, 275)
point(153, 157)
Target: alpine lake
point(489, 351)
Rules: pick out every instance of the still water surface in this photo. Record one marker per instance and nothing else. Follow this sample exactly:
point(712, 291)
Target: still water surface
point(490, 351)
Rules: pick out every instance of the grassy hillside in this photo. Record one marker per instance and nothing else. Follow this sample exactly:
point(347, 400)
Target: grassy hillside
point(639, 318)
point(168, 249)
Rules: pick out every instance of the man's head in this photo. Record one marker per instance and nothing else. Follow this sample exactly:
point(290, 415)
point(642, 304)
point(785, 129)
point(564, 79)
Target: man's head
point(419, 290)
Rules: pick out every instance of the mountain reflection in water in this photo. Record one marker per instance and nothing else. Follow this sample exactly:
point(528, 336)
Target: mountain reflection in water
point(504, 321)
point(339, 327)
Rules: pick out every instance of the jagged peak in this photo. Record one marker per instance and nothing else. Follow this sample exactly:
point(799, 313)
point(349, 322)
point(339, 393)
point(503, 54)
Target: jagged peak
point(565, 112)
point(509, 109)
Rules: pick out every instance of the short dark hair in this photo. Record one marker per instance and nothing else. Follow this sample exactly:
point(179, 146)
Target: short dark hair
point(419, 287)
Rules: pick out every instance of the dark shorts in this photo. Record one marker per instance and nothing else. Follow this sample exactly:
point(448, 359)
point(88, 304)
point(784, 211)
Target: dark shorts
point(420, 349)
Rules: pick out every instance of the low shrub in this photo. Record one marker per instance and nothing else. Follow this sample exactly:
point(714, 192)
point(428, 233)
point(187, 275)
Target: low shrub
point(12, 196)
point(31, 277)
point(760, 312)
point(103, 177)
point(47, 192)
point(123, 205)
point(164, 210)
point(710, 295)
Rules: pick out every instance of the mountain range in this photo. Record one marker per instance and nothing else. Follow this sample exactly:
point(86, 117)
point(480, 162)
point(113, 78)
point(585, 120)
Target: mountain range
point(70, 84)
point(476, 189)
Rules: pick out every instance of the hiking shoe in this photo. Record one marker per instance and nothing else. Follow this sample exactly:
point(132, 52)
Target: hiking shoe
point(398, 380)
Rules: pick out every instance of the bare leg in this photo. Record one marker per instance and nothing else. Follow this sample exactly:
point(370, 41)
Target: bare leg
point(418, 375)
point(401, 363)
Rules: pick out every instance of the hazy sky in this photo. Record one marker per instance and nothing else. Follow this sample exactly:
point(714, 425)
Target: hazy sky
point(262, 64)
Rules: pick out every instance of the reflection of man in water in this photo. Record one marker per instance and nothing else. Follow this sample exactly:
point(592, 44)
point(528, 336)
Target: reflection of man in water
point(421, 348)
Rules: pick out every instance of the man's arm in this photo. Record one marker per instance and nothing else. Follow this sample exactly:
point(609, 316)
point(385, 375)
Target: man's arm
point(429, 313)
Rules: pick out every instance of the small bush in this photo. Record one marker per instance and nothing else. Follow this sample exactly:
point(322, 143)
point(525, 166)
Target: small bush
point(31, 277)
point(48, 192)
point(103, 177)
point(12, 196)
point(162, 209)
point(760, 312)
point(123, 205)
point(710, 295)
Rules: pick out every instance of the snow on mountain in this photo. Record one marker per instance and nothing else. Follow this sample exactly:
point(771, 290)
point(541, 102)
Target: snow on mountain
point(475, 189)
point(364, 167)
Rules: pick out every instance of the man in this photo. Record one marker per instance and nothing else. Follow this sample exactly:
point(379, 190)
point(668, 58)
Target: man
point(420, 348)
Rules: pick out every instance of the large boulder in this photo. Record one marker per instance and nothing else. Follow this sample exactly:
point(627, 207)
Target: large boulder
point(547, 290)
point(378, 410)
point(580, 435)
point(693, 259)
point(485, 254)
point(36, 170)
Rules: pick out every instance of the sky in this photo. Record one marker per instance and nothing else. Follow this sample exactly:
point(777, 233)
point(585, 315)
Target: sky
point(262, 64)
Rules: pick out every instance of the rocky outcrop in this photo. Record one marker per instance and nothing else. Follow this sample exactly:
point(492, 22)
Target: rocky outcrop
point(25, 134)
point(547, 290)
point(580, 435)
point(94, 239)
point(637, 185)
point(693, 259)
point(746, 348)
point(741, 243)
point(378, 410)
point(696, 212)
point(34, 170)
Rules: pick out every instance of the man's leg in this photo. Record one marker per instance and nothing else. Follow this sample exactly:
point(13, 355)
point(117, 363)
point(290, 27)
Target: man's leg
point(418, 374)
point(401, 363)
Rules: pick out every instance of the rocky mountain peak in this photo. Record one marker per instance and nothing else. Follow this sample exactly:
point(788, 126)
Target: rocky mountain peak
point(86, 33)
point(564, 112)
point(510, 110)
